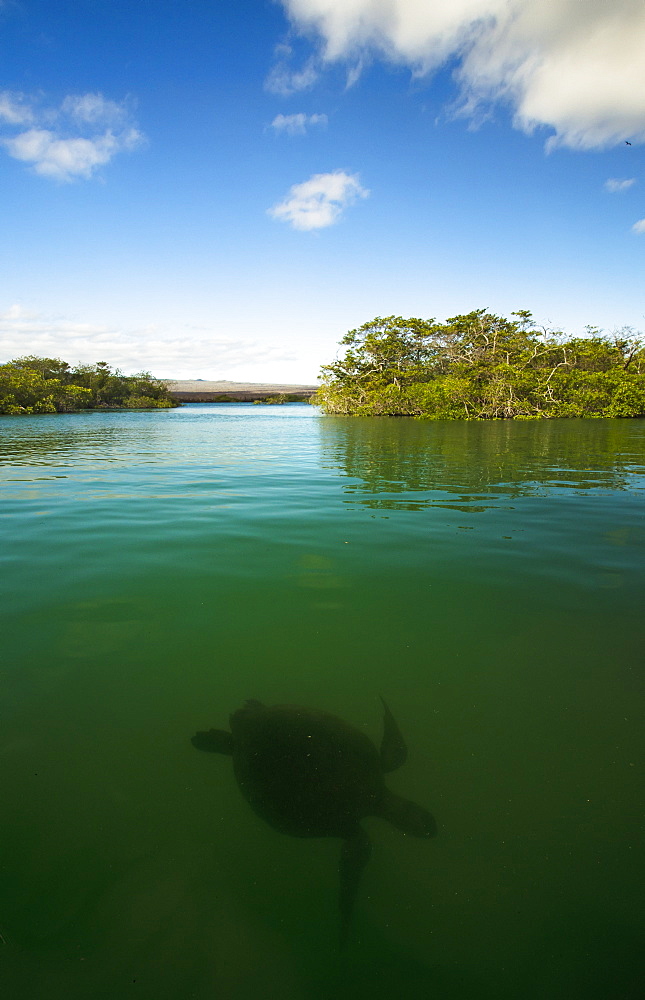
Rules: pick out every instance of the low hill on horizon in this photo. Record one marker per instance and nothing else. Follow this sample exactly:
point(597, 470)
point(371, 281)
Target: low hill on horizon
point(225, 385)
point(203, 391)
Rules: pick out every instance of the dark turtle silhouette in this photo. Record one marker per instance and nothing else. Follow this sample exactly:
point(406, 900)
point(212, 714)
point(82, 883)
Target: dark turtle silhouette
point(309, 774)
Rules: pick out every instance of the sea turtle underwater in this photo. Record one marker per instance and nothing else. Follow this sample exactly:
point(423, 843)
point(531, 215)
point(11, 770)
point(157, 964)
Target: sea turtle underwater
point(309, 774)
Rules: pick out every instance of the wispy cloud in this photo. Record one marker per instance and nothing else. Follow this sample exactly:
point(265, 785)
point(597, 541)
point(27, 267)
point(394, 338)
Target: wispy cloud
point(354, 74)
point(297, 124)
point(14, 110)
point(23, 331)
point(71, 141)
point(284, 80)
point(95, 109)
point(639, 227)
point(320, 201)
point(614, 185)
point(575, 68)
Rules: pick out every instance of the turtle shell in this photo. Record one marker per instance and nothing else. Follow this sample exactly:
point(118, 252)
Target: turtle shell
point(306, 773)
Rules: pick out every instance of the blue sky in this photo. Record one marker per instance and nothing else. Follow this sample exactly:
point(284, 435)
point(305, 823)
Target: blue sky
point(220, 190)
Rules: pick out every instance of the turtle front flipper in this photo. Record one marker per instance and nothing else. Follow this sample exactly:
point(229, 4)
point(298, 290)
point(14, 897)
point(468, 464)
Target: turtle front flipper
point(394, 752)
point(354, 855)
point(214, 741)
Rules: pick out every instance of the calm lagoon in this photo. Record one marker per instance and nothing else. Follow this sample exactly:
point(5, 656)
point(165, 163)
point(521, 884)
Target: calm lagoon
point(159, 568)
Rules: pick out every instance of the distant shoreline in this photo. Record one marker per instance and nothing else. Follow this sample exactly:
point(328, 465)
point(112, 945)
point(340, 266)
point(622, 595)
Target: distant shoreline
point(223, 391)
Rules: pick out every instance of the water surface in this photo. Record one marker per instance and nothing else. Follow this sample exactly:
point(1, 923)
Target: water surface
point(159, 568)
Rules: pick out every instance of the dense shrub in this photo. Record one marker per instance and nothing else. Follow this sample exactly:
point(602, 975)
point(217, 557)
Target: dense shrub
point(479, 365)
point(49, 385)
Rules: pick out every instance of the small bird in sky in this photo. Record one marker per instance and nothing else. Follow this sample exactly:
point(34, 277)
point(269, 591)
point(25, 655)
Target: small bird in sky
point(627, 143)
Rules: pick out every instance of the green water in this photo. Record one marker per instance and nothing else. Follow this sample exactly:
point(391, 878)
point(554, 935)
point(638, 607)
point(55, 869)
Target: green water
point(487, 579)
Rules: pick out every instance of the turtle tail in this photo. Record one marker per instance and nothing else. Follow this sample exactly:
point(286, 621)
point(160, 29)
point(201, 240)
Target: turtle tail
point(406, 816)
point(354, 855)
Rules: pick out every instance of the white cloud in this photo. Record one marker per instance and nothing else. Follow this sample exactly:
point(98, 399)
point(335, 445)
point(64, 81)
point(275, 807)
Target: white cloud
point(639, 227)
point(574, 66)
point(615, 185)
point(320, 201)
point(99, 129)
point(152, 348)
point(297, 124)
point(67, 159)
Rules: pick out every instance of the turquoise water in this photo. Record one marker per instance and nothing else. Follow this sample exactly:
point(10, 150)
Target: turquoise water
point(157, 569)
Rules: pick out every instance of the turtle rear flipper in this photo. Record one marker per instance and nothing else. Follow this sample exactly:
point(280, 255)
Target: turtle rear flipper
point(214, 741)
point(394, 752)
point(354, 855)
point(406, 816)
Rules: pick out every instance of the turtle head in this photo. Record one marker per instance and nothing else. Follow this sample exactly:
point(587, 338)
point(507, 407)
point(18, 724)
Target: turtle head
point(246, 715)
point(213, 741)
point(407, 816)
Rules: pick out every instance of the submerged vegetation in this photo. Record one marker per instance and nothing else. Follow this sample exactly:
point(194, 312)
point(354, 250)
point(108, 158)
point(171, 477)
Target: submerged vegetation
point(49, 385)
point(482, 366)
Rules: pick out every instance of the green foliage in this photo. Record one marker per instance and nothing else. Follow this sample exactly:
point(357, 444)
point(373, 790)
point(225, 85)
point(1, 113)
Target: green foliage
point(48, 385)
point(482, 366)
point(278, 399)
point(147, 403)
